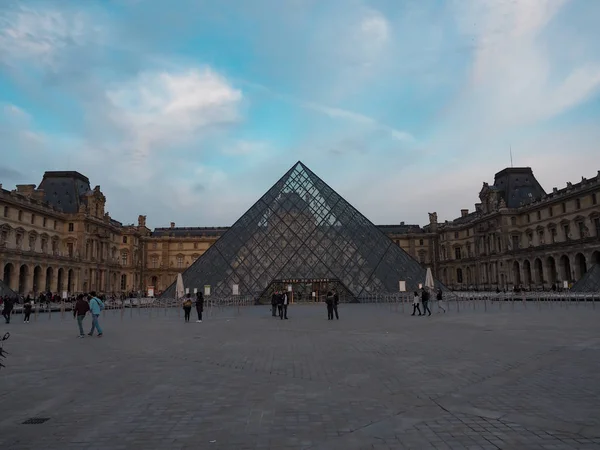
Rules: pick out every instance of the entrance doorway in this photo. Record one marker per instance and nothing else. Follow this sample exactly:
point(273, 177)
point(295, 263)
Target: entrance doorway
point(303, 289)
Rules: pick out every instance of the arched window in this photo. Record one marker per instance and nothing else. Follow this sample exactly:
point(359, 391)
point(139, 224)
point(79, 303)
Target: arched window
point(123, 282)
point(459, 275)
point(180, 261)
point(155, 262)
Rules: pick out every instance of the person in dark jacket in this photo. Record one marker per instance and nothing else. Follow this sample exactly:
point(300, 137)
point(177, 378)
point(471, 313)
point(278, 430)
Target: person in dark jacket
point(334, 306)
point(79, 311)
point(329, 303)
point(425, 301)
point(27, 310)
point(279, 304)
point(199, 305)
point(274, 304)
point(6, 311)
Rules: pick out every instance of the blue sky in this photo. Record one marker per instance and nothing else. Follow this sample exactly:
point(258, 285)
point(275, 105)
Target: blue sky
point(188, 111)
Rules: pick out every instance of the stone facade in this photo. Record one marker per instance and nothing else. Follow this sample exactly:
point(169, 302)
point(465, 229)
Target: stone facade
point(59, 238)
point(62, 239)
point(521, 236)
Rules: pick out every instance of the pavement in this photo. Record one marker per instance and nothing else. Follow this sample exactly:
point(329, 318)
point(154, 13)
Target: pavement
point(526, 376)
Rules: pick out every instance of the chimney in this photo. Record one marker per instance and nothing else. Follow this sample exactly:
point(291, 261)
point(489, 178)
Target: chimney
point(38, 194)
point(464, 212)
point(172, 224)
point(25, 189)
point(554, 189)
point(401, 223)
point(478, 207)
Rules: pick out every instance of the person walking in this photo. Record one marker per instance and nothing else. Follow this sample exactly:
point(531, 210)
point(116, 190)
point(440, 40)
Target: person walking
point(329, 303)
point(416, 304)
point(96, 307)
point(187, 308)
point(284, 306)
point(440, 300)
point(334, 305)
point(199, 305)
point(79, 311)
point(425, 296)
point(27, 310)
point(280, 303)
point(7, 309)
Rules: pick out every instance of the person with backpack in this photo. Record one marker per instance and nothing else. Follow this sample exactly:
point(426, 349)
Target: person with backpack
point(187, 308)
point(79, 311)
point(96, 307)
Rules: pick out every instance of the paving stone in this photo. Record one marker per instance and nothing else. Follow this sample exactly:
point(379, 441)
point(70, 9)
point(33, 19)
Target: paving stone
point(377, 378)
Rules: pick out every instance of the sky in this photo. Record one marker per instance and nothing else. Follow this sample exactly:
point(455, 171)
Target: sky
point(188, 111)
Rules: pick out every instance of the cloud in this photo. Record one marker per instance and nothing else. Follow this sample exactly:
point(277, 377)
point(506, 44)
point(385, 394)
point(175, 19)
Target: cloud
point(161, 108)
point(245, 147)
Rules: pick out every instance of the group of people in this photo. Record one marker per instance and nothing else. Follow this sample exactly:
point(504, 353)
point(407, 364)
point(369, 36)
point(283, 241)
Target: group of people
point(279, 304)
point(187, 306)
point(424, 299)
point(84, 303)
point(332, 299)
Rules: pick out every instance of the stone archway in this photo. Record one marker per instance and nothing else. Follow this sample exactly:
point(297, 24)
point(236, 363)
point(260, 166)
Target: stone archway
point(596, 257)
point(23, 276)
point(60, 280)
point(516, 274)
point(37, 274)
point(565, 268)
point(552, 272)
point(49, 277)
point(538, 271)
point(8, 275)
point(154, 282)
point(527, 279)
point(580, 266)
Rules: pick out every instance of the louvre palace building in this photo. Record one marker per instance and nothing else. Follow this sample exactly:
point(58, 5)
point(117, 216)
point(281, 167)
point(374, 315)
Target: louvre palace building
point(57, 237)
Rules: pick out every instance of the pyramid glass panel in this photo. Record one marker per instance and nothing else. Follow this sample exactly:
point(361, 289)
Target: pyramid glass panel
point(302, 230)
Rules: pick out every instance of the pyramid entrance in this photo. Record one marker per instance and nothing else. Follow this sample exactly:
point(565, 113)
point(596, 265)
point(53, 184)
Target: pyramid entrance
point(308, 290)
point(301, 229)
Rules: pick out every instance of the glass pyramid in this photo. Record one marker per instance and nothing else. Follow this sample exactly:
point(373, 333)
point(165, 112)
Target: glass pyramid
point(590, 282)
point(301, 229)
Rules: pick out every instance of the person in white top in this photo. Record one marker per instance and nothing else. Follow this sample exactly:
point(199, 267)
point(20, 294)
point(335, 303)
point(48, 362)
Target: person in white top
point(416, 304)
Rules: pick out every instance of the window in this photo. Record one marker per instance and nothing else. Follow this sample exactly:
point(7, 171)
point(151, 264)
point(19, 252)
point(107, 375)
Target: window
point(578, 204)
point(469, 252)
point(594, 200)
point(459, 276)
point(539, 215)
point(566, 230)
point(443, 253)
point(6, 211)
point(123, 282)
point(420, 241)
point(20, 216)
point(70, 249)
point(564, 207)
point(513, 221)
point(499, 244)
point(597, 226)
point(195, 245)
point(528, 218)
point(530, 238)
point(456, 235)
point(33, 219)
point(54, 246)
point(44, 221)
point(124, 239)
point(124, 258)
point(154, 245)
point(541, 237)
point(155, 262)
point(71, 227)
point(582, 230)
point(516, 244)
point(44, 245)
point(457, 254)
point(553, 235)
point(180, 262)
point(550, 212)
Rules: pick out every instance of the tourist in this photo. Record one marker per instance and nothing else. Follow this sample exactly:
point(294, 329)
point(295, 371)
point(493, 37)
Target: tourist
point(329, 303)
point(440, 300)
point(279, 303)
point(416, 304)
point(79, 311)
point(274, 303)
point(27, 310)
point(334, 305)
point(284, 306)
point(199, 305)
point(96, 307)
point(7, 309)
point(426, 301)
point(187, 308)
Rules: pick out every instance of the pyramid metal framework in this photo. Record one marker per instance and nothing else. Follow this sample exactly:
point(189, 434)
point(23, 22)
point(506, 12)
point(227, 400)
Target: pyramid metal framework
point(5, 291)
point(302, 229)
point(590, 282)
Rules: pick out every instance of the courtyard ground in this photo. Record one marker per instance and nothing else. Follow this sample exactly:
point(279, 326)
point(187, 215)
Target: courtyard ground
point(378, 378)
